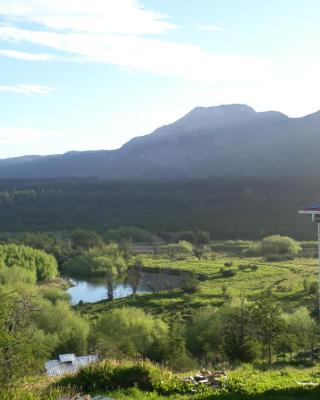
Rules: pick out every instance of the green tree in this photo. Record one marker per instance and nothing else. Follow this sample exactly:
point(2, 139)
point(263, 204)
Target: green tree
point(239, 343)
point(129, 332)
point(202, 237)
point(177, 249)
point(267, 321)
point(23, 347)
point(200, 251)
point(280, 245)
point(125, 249)
point(188, 236)
point(43, 265)
point(135, 273)
point(301, 330)
point(85, 240)
point(113, 267)
point(68, 329)
point(177, 355)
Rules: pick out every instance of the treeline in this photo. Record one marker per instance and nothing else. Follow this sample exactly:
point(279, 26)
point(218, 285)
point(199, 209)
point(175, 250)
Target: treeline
point(227, 208)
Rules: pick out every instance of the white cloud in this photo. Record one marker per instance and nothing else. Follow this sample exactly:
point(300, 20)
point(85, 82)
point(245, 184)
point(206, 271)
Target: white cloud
point(22, 55)
point(94, 16)
point(146, 54)
point(27, 89)
point(25, 56)
point(117, 32)
point(207, 27)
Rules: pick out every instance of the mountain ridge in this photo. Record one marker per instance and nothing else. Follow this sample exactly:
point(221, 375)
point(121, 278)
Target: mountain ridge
point(226, 140)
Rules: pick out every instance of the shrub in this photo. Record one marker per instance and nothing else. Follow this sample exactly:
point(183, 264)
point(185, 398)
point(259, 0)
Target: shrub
point(278, 257)
point(130, 332)
point(188, 236)
point(112, 375)
point(226, 273)
point(175, 249)
point(37, 261)
point(190, 284)
point(17, 274)
point(68, 328)
point(279, 245)
point(82, 239)
point(54, 294)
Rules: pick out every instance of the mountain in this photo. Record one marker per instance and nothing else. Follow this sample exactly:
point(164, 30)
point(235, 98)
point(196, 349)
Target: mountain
point(227, 140)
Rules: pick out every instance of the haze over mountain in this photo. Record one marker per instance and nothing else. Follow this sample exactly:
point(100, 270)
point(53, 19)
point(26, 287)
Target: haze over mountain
point(227, 140)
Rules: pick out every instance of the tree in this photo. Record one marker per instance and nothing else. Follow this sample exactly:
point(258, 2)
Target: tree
point(42, 264)
point(125, 248)
point(106, 261)
point(239, 343)
point(188, 236)
point(202, 237)
point(112, 267)
point(176, 249)
point(280, 245)
point(129, 332)
point(178, 358)
point(85, 240)
point(220, 334)
point(267, 321)
point(135, 273)
point(68, 329)
point(200, 251)
point(23, 347)
point(301, 330)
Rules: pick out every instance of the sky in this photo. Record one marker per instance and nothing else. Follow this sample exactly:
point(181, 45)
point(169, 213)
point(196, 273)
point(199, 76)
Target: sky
point(92, 74)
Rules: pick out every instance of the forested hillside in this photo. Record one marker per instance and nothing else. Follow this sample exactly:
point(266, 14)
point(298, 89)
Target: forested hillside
point(228, 208)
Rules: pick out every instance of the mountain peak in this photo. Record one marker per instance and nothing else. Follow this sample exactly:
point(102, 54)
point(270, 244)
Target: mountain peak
point(222, 110)
point(216, 116)
point(226, 140)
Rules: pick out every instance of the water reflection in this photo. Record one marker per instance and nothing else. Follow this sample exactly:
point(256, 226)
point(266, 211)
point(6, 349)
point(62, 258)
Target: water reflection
point(90, 290)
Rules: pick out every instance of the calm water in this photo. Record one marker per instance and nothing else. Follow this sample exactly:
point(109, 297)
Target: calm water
point(90, 290)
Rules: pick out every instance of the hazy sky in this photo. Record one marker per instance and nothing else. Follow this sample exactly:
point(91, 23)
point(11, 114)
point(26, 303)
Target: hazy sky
point(91, 74)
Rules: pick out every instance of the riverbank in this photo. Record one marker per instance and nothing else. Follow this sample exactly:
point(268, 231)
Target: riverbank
point(57, 283)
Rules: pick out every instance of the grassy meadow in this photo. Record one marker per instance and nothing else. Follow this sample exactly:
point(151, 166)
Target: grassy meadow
point(248, 277)
point(244, 383)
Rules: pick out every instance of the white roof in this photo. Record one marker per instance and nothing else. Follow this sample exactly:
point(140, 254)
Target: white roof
point(72, 364)
point(67, 357)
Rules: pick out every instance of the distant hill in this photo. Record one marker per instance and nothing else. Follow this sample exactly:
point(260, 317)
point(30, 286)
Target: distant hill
point(228, 140)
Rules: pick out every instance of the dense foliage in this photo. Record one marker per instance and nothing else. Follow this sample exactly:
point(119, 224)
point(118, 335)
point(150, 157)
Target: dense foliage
point(218, 318)
point(228, 208)
point(276, 247)
point(130, 332)
point(42, 265)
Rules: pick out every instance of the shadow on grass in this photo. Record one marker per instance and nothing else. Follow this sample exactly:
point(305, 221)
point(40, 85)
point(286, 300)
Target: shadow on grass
point(158, 302)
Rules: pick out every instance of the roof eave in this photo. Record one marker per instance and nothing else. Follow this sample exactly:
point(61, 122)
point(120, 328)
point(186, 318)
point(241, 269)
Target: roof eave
point(310, 212)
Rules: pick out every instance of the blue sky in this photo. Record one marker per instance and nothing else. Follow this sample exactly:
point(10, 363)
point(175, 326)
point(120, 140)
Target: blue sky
point(91, 74)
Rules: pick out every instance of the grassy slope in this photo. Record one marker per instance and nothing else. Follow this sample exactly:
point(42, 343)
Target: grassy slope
point(243, 384)
point(284, 277)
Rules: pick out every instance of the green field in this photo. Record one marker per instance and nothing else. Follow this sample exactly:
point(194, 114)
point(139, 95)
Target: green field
point(252, 275)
